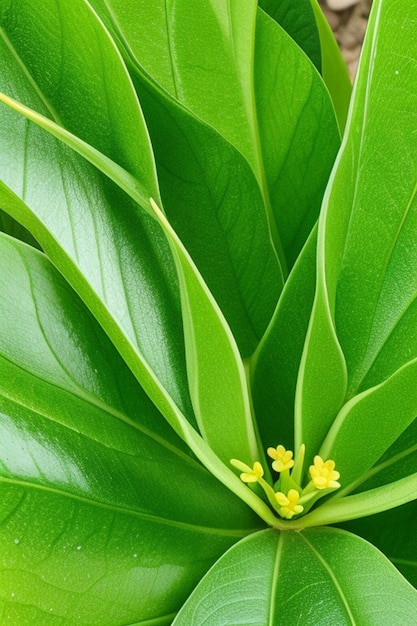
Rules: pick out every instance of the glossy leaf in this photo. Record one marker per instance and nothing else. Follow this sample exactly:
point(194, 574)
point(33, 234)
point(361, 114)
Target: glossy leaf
point(313, 577)
point(114, 277)
point(91, 473)
point(169, 410)
point(41, 39)
point(365, 257)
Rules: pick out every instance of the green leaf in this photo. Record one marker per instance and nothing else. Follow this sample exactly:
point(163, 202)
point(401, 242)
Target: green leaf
point(41, 40)
point(212, 200)
point(340, 509)
point(99, 497)
point(297, 155)
point(398, 462)
point(297, 19)
point(221, 403)
point(260, 120)
point(365, 260)
point(390, 406)
point(334, 70)
point(113, 255)
point(315, 578)
point(395, 534)
point(11, 227)
point(274, 366)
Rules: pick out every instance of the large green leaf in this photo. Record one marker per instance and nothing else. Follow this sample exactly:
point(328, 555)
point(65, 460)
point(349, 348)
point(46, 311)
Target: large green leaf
point(357, 340)
point(57, 48)
point(227, 63)
point(115, 250)
point(102, 514)
point(315, 578)
point(114, 255)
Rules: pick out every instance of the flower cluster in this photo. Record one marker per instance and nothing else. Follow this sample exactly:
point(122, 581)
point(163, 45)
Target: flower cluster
point(286, 496)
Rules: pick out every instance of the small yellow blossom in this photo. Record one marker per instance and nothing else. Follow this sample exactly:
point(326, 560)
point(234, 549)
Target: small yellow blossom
point(282, 458)
point(323, 474)
point(249, 475)
point(289, 503)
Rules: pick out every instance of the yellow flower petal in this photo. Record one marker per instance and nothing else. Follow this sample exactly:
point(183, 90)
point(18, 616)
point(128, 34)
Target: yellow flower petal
point(282, 458)
point(323, 474)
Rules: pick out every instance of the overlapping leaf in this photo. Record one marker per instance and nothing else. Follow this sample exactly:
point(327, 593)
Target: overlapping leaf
point(298, 20)
point(154, 370)
point(213, 201)
point(80, 218)
point(99, 497)
point(366, 263)
point(233, 52)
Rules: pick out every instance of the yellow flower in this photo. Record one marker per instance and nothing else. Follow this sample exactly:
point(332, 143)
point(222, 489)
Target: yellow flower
point(282, 458)
point(323, 474)
point(289, 503)
point(249, 475)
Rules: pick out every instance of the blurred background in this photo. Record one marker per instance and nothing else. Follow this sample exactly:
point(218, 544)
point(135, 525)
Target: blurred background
point(348, 20)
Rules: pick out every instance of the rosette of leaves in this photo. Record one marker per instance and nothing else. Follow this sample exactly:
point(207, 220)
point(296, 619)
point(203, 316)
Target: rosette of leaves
point(207, 250)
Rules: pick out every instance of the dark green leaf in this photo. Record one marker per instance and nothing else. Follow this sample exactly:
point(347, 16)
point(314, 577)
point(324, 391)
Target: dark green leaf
point(274, 366)
point(297, 155)
point(395, 533)
point(297, 19)
point(213, 201)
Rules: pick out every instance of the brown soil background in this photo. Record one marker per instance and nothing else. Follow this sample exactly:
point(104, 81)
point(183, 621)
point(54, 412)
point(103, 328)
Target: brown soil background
point(349, 27)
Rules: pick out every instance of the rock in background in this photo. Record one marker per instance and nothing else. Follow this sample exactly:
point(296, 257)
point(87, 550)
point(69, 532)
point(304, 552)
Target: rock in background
point(348, 20)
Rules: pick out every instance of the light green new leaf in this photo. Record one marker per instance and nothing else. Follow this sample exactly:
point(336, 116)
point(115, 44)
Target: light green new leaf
point(366, 249)
point(315, 577)
point(99, 497)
